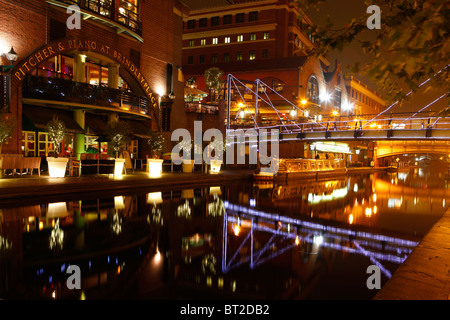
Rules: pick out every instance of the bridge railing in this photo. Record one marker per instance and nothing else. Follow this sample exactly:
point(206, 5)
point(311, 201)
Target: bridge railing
point(302, 125)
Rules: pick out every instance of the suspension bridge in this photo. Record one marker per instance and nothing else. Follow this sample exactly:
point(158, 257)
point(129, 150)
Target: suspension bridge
point(298, 125)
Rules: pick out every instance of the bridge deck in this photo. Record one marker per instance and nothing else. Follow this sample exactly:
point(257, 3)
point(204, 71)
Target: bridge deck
point(425, 275)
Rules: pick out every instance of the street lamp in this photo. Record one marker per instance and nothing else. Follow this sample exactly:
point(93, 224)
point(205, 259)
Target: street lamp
point(12, 56)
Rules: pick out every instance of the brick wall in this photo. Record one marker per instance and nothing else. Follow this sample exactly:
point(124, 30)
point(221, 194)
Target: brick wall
point(25, 24)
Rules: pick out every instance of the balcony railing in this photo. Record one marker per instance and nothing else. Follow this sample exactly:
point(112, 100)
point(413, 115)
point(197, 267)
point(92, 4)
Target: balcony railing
point(201, 108)
point(75, 92)
point(111, 10)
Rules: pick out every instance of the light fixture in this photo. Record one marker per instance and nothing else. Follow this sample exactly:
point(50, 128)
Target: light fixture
point(325, 97)
point(172, 96)
point(304, 101)
point(12, 56)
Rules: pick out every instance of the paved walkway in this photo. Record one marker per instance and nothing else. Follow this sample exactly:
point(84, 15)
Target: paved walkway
point(34, 186)
point(425, 275)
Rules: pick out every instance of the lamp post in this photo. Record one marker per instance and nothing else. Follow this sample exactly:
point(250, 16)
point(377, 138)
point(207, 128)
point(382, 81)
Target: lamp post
point(12, 56)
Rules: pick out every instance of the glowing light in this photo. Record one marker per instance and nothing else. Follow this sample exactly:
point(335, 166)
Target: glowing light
point(154, 198)
point(215, 166)
point(158, 256)
point(335, 113)
point(155, 167)
point(297, 240)
point(304, 102)
point(375, 209)
point(242, 114)
point(368, 212)
point(325, 97)
point(318, 240)
point(236, 230)
point(306, 113)
point(347, 106)
point(374, 197)
point(350, 219)
point(57, 167)
point(118, 167)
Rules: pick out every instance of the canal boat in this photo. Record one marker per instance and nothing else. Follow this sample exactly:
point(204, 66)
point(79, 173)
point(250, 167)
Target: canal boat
point(301, 169)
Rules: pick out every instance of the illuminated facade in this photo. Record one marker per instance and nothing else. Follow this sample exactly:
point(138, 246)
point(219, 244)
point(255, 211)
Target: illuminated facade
point(121, 65)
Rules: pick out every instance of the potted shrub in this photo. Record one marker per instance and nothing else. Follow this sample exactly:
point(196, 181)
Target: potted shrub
point(216, 164)
point(156, 143)
point(187, 164)
point(118, 134)
point(56, 133)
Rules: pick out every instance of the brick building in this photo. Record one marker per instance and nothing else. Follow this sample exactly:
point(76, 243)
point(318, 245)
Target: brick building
point(123, 64)
point(266, 40)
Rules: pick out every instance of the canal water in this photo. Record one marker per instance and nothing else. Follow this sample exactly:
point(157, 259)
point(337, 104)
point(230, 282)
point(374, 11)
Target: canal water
point(294, 240)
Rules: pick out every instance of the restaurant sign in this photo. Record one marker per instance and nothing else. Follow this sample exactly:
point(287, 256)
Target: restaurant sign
point(82, 46)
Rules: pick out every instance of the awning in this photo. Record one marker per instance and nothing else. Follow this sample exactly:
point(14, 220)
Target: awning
point(188, 91)
point(97, 124)
point(36, 118)
point(140, 129)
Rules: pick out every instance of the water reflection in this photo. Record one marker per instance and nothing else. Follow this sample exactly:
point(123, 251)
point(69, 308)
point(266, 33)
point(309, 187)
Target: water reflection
point(278, 241)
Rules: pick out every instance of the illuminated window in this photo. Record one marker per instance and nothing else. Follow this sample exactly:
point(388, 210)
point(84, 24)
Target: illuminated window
point(28, 143)
point(239, 56)
point(252, 55)
point(227, 39)
point(45, 146)
point(240, 38)
point(226, 57)
point(191, 43)
point(215, 41)
point(203, 42)
point(266, 35)
point(128, 13)
point(253, 37)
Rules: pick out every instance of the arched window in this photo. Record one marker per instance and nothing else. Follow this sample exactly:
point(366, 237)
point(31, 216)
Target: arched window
point(312, 90)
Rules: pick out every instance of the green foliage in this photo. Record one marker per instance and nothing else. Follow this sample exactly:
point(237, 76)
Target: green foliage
point(411, 46)
point(213, 79)
point(118, 135)
point(56, 133)
point(156, 142)
point(7, 127)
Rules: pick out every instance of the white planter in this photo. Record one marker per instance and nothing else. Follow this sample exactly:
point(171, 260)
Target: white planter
point(188, 166)
point(215, 166)
point(57, 167)
point(118, 167)
point(154, 167)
